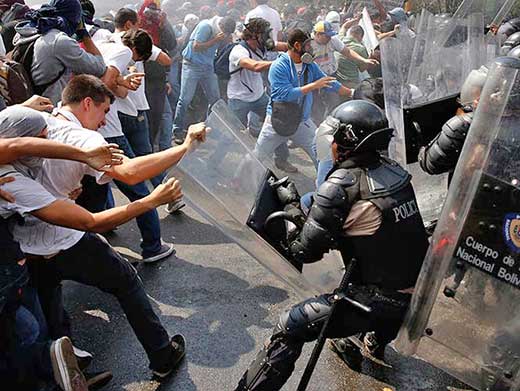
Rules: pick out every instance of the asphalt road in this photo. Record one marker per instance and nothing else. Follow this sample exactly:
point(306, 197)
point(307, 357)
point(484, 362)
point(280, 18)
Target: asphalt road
point(226, 305)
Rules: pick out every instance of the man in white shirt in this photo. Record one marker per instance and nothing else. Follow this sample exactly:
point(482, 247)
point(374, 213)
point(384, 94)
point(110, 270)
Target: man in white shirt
point(119, 53)
point(246, 91)
point(133, 115)
point(85, 258)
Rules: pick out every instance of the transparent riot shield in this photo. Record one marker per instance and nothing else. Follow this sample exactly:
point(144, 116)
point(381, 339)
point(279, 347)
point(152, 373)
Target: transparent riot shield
point(224, 182)
point(304, 178)
point(430, 190)
point(370, 38)
point(464, 315)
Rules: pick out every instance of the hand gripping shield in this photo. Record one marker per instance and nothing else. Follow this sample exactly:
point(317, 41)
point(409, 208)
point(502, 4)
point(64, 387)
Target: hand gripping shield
point(224, 182)
point(464, 316)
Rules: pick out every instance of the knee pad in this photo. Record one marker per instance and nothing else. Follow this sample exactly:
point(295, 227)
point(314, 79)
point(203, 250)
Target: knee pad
point(304, 321)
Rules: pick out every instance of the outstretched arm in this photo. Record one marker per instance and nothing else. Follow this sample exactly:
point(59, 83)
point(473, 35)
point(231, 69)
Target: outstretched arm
point(138, 169)
point(12, 149)
point(68, 214)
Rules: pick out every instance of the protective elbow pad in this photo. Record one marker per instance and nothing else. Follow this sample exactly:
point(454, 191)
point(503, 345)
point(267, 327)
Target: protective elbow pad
point(326, 218)
point(442, 154)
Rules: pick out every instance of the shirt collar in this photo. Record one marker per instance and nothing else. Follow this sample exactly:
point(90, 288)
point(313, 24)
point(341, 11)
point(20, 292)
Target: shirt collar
point(67, 114)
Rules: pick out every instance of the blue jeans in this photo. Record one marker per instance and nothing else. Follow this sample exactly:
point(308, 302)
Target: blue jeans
point(165, 132)
point(192, 75)
point(30, 359)
point(137, 132)
point(269, 140)
point(258, 107)
point(324, 167)
point(175, 82)
point(94, 199)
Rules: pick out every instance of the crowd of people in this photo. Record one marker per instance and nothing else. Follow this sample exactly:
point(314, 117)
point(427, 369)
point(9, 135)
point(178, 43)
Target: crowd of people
point(90, 100)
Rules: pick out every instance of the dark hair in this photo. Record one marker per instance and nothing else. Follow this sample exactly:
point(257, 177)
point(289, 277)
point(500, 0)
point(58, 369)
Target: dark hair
point(358, 30)
point(139, 40)
point(296, 35)
point(85, 86)
point(255, 26)
point(124, 15)
point(227, 25)
point(88, 8)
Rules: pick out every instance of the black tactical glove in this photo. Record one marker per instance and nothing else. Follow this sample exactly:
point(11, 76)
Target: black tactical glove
point(288, 194)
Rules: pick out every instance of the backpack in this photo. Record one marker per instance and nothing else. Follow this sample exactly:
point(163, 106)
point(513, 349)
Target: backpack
point(15, 85)
point(221, 62)
point(23, 54)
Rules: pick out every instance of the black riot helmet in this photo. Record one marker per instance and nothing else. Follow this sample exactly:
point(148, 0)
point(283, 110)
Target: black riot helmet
point(511, 42)
point(362, 127)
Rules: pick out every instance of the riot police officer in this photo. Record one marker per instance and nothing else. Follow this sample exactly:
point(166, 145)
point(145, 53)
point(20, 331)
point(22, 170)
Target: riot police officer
point(366, 209)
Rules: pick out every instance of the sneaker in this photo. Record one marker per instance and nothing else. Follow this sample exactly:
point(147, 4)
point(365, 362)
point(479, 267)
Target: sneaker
point(177, 353)
point(179, 138)
point(83, 357)
point(284, 165)
point(348, 352)
point(165, 251)
point(97, 380)
point(175, 206)
point(67, 374)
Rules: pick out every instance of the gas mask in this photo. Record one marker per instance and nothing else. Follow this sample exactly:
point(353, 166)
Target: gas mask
point(307, 53)
point(266, 42)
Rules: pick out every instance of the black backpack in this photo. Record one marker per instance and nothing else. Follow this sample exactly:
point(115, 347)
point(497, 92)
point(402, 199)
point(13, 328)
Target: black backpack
point(23, 53)
point(221, 62)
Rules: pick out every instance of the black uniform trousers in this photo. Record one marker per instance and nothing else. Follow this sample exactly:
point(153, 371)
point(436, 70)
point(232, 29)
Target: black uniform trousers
point(303, 323)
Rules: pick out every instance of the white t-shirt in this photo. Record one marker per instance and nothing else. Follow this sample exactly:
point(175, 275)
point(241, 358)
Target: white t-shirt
point(138, 97)
point(119, 56)
point(100, 34)
point(273, 17)
point(60, 177)
point(244, 85)
point(324, 54)
point(34, 236)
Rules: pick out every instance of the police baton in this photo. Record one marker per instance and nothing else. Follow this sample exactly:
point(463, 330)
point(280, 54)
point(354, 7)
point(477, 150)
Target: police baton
point(338, 296)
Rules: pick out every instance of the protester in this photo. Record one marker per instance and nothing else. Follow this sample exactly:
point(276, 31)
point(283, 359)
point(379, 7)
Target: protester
point(197, 67)
point(56, 54)
point(348, 71)
point(325, 45)
point(292, 83)
point(134, 45)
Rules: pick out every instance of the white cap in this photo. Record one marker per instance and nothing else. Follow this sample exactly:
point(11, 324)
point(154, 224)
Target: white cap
point(333, 17)
point(191, 18)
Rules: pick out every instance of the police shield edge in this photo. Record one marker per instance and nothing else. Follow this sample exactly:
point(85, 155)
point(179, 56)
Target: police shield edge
point(225, 182)
point(464, 313)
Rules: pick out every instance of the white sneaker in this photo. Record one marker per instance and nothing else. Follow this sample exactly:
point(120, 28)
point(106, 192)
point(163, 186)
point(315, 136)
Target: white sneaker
point(67, 374)
point(175, 206)
point(165, 251)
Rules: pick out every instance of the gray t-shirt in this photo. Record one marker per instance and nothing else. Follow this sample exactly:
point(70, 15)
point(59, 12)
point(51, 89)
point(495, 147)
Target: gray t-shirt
point(56, 51)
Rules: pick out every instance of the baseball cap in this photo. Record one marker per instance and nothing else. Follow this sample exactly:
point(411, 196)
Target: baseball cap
point(324, 28)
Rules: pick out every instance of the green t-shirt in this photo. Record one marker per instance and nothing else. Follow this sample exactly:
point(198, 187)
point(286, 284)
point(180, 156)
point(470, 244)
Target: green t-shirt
point(348, 70)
